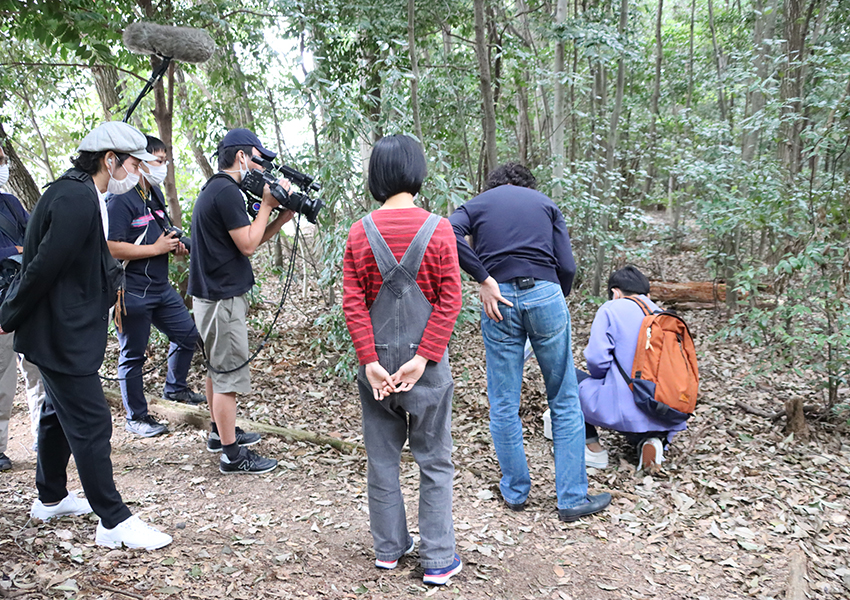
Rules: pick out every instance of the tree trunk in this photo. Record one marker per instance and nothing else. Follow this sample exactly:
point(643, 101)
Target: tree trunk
point(558, 134)
point(20, 180)
point(163, 115)
point(189, 130)
point(488, 121)
point(653, 103)
point(719, 63)
point(414, 80)
point(611, 148)
point(23, 94)
point(762, 31)
point(106, 84)
point(691, 57)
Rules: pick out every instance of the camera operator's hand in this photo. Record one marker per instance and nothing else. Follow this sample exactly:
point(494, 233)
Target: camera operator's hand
point(166, 243)
point(181, 249)
point(380, 380)
point(267, 194)
point(409, 373)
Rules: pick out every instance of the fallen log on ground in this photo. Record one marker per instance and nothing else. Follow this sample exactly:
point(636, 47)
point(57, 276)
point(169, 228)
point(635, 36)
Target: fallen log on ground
point(706, 292)
point(199, 417)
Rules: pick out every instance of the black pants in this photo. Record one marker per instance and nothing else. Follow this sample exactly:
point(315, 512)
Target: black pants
point(76, 419)
point(635, 439)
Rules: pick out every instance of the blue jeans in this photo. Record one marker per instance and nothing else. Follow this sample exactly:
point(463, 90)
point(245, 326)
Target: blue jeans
point(540, 314)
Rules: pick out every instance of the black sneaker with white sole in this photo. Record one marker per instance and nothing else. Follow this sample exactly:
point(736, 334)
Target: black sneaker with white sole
point(185, 397)
point(243, 438)
point(248, 461)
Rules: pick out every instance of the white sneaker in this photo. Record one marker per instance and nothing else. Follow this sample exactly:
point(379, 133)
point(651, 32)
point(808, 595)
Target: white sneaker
point(650, 455)
point(132, 533)
point(595, 460)
point(70, 505)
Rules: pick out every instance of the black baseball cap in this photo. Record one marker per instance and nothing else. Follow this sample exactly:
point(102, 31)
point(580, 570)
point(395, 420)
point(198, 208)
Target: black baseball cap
point(246, 137)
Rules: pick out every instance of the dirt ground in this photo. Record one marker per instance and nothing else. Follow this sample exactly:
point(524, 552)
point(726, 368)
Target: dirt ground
point(736, 502)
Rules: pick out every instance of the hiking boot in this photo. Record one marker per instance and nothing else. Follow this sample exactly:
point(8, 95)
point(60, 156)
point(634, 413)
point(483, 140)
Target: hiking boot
point(595, 460)
point(146, 426)
point(69, 505)
point(243, 438)
point(392, 564)
point(441, 576)
point(132, 533)
point(248, 461)
point(5, 462)
point(187, 396)
point(650, 455)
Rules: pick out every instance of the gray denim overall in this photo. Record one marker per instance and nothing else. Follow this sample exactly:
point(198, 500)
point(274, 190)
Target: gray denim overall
point(423, 415)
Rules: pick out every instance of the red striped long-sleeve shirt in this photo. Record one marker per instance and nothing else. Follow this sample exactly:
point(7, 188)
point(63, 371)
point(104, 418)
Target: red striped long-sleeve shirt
point(438, 278)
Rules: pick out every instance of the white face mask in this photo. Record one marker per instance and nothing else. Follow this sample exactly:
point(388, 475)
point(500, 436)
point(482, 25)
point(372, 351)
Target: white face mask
point(121, 186)
point(4, 175)
point(156, 174)
point(242, 172)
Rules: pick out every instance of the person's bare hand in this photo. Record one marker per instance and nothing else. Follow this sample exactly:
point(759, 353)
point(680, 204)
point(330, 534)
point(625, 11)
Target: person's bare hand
point(379, 379)
point(409, 373)
point(165, 243)
point(181, 249)
point(490, 298)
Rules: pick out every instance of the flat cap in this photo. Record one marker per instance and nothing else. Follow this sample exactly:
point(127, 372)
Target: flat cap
point(118, 137)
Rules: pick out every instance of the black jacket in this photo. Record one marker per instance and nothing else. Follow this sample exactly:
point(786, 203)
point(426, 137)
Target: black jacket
point(60, 309)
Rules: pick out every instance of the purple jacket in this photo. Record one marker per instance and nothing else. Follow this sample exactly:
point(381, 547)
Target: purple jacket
point(606, 399)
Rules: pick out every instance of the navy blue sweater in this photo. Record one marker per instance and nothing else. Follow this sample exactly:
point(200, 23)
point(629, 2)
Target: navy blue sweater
point(516, 232)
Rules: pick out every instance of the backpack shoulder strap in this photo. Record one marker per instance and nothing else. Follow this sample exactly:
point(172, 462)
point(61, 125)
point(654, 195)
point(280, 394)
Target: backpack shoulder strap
point(643, 306)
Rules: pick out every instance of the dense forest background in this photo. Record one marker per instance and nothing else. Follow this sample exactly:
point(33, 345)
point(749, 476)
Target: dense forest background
point(731, 115)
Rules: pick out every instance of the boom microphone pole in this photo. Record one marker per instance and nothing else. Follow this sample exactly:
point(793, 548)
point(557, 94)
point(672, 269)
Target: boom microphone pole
point(185, 44)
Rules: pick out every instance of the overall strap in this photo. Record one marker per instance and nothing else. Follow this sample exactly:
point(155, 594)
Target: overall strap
point(413, 255)
point(383, 255)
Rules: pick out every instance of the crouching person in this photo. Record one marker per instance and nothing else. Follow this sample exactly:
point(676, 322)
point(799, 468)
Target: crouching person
point(605, 396)
point(59, 313)
point(401, 300)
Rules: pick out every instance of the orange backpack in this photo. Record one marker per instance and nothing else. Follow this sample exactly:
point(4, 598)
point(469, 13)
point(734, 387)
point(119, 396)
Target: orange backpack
point(665, 377)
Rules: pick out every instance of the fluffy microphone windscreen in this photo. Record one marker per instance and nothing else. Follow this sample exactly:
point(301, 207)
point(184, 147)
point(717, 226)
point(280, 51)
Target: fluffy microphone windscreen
point(185, 44)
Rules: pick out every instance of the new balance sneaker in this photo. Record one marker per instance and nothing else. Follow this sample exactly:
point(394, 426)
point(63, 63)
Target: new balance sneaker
point(442, 576)
point(651, 455)
point(187, 396)
point(5, 462)
point(595, 460)
point(146, 426)
point(392, 564)
point(69, 505)
point(243, 438)
point(248, 461)
point(132, 533)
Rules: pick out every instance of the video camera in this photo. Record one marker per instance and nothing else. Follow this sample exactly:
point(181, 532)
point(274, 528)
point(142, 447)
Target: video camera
point(300, 202)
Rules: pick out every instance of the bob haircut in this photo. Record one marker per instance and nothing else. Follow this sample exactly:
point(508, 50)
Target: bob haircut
point(628, 280)
point(511, 174)
point(397, 165)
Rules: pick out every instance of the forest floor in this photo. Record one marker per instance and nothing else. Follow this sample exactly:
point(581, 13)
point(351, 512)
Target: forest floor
point(736, 503)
